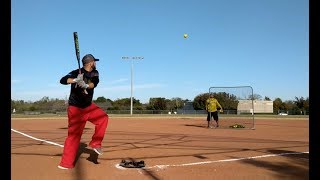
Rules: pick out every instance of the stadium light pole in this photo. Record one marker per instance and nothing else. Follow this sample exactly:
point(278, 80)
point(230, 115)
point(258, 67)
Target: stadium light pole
point(132, 58)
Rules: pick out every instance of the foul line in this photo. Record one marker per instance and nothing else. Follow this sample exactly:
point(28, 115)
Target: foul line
point(37, 139)
point(217, 161)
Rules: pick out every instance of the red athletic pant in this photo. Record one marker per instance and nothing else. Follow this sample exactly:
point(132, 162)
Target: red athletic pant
point(77, 118)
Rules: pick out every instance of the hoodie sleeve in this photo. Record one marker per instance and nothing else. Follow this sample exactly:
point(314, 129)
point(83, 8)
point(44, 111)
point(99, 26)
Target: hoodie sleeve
point(72, 74)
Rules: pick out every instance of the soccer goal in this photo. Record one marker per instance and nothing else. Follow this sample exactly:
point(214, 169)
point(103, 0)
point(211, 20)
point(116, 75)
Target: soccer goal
point(238, 106)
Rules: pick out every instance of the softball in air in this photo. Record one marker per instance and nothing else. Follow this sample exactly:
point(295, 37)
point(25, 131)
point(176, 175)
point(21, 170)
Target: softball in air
point(185, 35)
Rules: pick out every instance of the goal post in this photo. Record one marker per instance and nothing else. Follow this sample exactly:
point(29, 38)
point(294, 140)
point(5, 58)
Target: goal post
point(238, 106)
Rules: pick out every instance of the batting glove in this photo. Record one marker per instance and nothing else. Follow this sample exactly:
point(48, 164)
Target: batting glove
point(82, 84)
point(79, 78)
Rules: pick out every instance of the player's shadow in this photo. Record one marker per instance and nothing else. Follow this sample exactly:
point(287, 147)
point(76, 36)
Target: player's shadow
point(67, 128)
point(93, 157)
point(195, 125)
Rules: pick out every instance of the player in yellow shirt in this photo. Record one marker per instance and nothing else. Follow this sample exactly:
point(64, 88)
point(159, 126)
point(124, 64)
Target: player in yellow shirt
point(212, 106)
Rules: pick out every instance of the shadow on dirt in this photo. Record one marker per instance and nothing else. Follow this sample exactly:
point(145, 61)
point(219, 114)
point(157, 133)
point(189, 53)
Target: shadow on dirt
point(93, 157)
point(151, 174)
point(67, 128)
point(296, 165)
point(194, 125)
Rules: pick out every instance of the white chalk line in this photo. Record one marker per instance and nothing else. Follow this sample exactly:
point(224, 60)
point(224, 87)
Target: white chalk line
point(217, 161)
point(37, 139)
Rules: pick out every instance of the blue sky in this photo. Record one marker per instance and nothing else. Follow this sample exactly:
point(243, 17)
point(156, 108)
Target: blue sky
point(259, 43)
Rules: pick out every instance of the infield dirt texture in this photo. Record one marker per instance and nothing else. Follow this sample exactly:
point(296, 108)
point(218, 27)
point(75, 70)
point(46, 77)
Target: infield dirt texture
point(172, 148)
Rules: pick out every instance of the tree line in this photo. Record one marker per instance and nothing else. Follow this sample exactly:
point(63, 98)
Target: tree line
point(299, 105)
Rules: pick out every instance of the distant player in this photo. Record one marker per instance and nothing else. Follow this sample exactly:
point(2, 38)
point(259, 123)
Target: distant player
point(212, 106)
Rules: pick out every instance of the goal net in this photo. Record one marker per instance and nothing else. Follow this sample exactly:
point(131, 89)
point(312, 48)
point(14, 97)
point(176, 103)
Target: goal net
point(238, 106)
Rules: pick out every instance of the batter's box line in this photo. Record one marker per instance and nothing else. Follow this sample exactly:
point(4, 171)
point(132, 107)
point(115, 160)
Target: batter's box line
point(217, 161)
point(37, 139)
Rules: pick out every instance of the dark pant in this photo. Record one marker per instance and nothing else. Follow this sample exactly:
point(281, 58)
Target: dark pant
point(213, 115)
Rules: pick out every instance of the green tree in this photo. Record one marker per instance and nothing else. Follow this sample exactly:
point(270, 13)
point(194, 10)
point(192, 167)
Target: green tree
point(170, 105)
point(289, 105)
point(158, 103)
point(278, 105)
point(267, 98)
point(255, 97)
point(199, 102)
point(299, 102)
point(100, 100)
point(32, 108)
point(125, 103)
point(302, 104)
point(306, 104)
point(178, 102)
point(227, 101)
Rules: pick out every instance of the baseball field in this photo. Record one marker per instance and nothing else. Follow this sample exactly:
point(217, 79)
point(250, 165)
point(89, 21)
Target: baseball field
point(172, 147)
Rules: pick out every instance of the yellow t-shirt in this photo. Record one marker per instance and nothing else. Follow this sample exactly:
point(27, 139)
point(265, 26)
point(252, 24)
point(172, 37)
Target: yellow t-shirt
point(212, 104)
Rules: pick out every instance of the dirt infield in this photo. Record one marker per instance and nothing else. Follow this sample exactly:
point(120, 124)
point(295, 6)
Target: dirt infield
point(172, 148)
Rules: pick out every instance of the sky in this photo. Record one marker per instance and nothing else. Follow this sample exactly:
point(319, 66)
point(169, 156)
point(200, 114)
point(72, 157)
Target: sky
point(259, 43)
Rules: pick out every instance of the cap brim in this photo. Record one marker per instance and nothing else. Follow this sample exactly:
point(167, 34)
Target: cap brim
point(96, 59)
